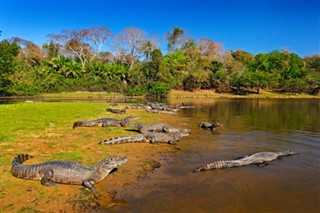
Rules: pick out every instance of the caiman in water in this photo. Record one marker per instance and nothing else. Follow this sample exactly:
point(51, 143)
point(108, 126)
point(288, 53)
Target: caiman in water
point(257, 158)
point(206, 125)
point(149, 137)
point(65, 172)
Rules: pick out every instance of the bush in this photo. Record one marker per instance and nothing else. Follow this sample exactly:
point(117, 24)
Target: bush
point(136, 91)
point(159, 89)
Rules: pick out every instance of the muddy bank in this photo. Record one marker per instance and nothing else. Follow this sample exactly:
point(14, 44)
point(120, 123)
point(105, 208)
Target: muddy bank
point(81, 144)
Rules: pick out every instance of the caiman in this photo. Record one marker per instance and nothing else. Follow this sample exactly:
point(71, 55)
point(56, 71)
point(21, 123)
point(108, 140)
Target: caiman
point(64, 172)
point(86, 124)
point(159, 127)
point(117, 111)
point(104, 122)
point(257, 158)
point(206, 125)
point(149, 137)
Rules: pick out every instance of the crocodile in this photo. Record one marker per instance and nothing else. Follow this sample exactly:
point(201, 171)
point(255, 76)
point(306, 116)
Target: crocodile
point(206, 125)
point(64, 172)
point(150, 137)
point(257, 158)
point(117, 111)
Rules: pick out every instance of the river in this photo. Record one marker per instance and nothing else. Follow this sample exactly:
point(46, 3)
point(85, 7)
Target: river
point(291, 184)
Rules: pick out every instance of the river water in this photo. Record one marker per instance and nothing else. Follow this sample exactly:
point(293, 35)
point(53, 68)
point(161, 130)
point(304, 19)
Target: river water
point(291, 184)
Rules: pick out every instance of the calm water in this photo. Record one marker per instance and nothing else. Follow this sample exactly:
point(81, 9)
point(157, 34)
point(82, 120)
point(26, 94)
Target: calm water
point(288, 185)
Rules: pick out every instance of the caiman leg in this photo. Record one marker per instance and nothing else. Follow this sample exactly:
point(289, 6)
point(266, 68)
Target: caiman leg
point(46, 179)
point(89, 185)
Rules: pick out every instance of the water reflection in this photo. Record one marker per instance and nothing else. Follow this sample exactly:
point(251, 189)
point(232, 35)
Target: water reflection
point(288, 185)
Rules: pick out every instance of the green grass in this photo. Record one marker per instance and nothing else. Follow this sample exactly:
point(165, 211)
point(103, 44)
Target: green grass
point(22, 118)
point(69, 156)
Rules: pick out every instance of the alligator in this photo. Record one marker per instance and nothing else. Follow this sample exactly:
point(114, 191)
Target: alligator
point(117, 111)
point(64, 172)
point(257, 158)
point(206, 125)
point(150, 137)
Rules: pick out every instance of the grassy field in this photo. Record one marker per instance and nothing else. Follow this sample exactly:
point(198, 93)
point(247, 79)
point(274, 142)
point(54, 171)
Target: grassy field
point(44, 129)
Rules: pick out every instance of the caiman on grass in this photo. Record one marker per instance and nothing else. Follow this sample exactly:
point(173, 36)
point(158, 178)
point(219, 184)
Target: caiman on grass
point(257, 158)
point(105, 122)
point(64, 172)
point(149, 137)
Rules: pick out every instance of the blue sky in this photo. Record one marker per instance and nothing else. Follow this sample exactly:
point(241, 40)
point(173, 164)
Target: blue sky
point(255, 26)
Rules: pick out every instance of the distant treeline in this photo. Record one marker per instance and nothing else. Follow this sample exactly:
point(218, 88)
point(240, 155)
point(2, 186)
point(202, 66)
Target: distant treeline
point(132, 63)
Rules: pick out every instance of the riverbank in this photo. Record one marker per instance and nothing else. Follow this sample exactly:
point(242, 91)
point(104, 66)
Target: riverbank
point(213, 94)
point(44, 130)
point(173, 94)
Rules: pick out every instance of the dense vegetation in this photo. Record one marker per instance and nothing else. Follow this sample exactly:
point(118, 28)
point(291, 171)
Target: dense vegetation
point(131, 62)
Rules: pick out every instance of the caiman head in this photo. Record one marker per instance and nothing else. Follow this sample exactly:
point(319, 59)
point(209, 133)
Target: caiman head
point(288, 153)
point(217, 125)
point(105, 166)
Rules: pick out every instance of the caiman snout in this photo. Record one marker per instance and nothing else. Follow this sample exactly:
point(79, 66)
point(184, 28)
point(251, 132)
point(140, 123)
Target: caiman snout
point(117, 161)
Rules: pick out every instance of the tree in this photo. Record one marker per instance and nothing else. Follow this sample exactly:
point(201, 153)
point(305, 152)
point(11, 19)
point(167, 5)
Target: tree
point(29, 51)
point(51, 49)
point(131, 44)
point(243, 57)
point(175, 39)
point(83, 45)
point(210, 49)
point(8, 53)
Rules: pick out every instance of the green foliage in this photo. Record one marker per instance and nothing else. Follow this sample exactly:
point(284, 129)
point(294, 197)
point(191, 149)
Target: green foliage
point(26, 69)
point(159, 89)
point(8, 65)
point(135, 91)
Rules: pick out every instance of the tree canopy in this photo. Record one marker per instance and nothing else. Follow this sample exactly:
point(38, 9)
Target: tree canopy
point(131, 62)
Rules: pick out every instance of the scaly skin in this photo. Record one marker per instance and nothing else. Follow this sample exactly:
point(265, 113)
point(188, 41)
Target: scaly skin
point(117, 111)
point(150, 137)
point(86, 124)
point(105, 122)
point(64, 172)
point(257, 158)
point(159, 127)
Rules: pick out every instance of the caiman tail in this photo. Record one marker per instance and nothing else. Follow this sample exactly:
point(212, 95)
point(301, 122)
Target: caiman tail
point(257, 158)
point(218, 165)
point(19, 170)
point(20, 158)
